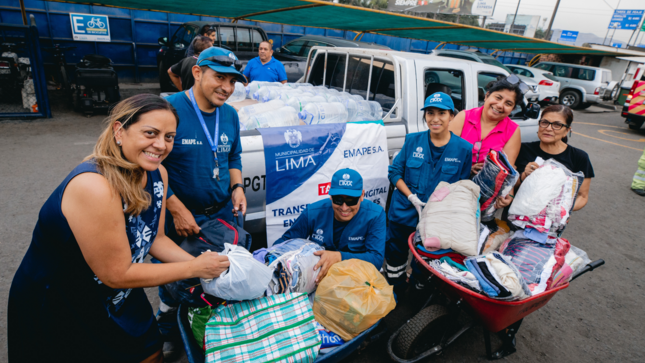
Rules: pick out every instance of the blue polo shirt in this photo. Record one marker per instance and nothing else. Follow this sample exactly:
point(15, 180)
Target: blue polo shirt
point(273, 71)
point(191, 162)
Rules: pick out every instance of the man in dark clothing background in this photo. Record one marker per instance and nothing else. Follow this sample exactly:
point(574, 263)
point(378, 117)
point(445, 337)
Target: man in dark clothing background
point(181, 74)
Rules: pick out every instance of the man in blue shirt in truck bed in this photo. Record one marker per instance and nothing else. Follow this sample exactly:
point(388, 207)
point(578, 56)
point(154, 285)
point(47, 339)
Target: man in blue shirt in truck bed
point(346, 224)
point(265, 67)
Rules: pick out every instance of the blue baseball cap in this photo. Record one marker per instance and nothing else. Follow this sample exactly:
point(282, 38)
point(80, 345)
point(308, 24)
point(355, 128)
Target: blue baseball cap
point(222, 61)
point(439, 100)
point(346, 182)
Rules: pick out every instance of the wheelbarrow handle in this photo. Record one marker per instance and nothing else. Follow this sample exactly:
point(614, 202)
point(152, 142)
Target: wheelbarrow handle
point(589, 267)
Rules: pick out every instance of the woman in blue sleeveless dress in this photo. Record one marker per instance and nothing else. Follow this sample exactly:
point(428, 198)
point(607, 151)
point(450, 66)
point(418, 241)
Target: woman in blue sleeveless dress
point(77, 295)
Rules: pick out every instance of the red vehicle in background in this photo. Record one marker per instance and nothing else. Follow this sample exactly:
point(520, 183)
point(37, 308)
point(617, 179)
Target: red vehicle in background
point(634, 107)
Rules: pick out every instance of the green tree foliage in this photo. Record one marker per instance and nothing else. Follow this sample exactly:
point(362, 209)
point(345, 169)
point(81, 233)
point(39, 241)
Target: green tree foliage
point(541, 34)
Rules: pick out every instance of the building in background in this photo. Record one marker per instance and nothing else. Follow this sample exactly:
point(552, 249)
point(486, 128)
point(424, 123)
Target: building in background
point(461, 7)
point(528, 22)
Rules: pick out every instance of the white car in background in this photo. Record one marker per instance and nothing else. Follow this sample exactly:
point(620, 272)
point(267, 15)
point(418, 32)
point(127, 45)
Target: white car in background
point(549, 85)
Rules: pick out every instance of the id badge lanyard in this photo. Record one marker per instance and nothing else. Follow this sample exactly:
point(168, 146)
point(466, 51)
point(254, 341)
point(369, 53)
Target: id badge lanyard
point(213, 143)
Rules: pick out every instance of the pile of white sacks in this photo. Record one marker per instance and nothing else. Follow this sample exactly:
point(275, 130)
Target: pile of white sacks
point(292, 104)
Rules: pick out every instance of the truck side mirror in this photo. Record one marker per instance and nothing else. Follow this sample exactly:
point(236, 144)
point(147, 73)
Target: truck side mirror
point(163, 41)
point(532, 111)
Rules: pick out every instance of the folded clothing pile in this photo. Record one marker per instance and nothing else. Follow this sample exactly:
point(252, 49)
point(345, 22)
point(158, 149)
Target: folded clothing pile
point(456, 272)
point(429, 255)
point(496, 179)
point(492, 235)
point(538, 263)
point(293, 264)
point(574, 261)
point(545, 200)
point(498, 277)
point(450, 219)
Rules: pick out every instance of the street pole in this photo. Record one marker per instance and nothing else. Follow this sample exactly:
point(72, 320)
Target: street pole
point(23, 12)
point(606, 35)
point(638, 29)
point(548, 31)
point(510, 30)
point(612, 35)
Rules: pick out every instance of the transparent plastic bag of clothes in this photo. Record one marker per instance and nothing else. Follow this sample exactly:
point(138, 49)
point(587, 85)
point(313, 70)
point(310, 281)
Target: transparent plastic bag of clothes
point(496, 179)
point(546, 198)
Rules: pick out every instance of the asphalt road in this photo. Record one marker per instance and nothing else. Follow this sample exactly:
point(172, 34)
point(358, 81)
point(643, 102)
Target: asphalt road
point(598, 318)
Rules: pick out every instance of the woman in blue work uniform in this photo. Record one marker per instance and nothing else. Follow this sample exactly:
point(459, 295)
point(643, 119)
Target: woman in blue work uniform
point(426, 159)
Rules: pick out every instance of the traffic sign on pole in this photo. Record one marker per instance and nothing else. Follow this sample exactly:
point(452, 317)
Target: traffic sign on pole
point(626, 19)
point(568, 36)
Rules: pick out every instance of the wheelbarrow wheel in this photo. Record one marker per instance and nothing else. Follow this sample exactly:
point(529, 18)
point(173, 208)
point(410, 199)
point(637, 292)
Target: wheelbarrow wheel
point(424, 331)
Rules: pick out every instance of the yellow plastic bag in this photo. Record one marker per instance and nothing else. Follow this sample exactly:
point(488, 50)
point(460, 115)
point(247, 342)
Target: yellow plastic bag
point(352, 297)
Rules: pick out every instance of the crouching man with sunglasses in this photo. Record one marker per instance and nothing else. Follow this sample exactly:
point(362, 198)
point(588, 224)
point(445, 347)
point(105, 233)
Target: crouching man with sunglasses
point(346, 225)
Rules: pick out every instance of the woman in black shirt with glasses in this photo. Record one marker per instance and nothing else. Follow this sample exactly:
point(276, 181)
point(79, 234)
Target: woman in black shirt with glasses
point(555, 124)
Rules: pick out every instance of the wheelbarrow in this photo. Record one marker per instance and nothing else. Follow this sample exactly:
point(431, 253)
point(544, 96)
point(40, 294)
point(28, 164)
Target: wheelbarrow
point(440, 321)
point(195, 353)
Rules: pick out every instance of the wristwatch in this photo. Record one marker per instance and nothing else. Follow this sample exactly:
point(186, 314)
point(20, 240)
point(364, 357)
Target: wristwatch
point(235, 186)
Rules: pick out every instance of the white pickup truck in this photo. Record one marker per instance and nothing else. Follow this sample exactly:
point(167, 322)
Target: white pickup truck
point(389, 76)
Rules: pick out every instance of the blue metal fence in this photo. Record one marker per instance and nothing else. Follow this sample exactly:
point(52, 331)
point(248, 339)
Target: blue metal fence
point(24, 97)
point(134, 35)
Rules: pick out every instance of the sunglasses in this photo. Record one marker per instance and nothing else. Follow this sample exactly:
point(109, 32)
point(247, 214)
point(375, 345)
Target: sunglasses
point(343, 199)
point(514, 80)
point(554, 125)
point(226, 61)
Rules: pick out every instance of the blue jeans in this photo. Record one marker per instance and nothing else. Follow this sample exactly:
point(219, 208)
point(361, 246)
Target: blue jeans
point(167, 313)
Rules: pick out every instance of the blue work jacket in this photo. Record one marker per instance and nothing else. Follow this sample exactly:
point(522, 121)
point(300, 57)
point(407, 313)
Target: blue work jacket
point(415, 166)
point(363, 237)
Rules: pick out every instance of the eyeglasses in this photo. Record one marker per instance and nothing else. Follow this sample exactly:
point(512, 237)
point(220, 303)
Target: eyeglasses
point(343, 199)
point(224, 60)
point(556, 126)
point(477, 147)
point(514, 80)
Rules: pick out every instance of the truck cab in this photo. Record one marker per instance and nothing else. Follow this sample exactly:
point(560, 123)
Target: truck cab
point(399, 81)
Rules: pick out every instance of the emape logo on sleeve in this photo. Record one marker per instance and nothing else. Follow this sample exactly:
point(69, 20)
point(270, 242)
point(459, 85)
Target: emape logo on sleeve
point(323, 189)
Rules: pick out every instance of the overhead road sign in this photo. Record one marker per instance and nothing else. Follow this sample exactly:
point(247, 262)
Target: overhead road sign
point(568, 36)
point(328, 15)
point(90, 27)
point(626, 19)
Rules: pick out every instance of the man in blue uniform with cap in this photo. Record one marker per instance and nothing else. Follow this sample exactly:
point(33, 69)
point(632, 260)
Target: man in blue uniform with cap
point(346, 225)
point(205, 166)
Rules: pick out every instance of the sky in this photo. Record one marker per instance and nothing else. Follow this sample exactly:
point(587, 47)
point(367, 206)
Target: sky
point(586, 16)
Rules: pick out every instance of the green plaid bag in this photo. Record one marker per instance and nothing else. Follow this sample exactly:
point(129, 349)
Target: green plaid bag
point(197, 318)
point(277, 328)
